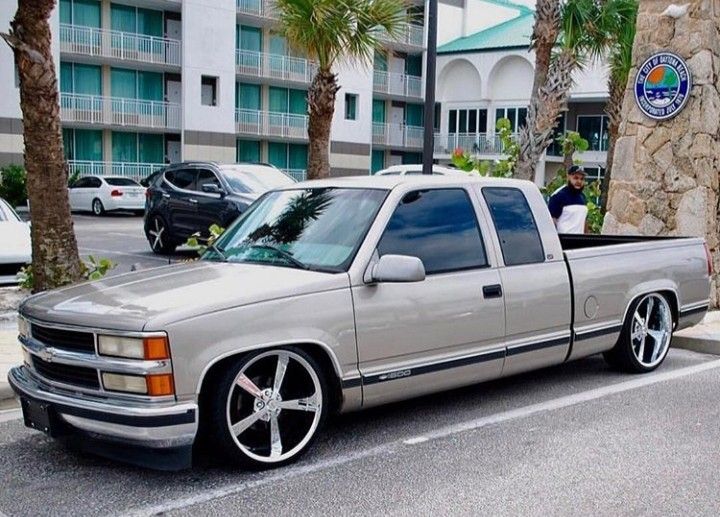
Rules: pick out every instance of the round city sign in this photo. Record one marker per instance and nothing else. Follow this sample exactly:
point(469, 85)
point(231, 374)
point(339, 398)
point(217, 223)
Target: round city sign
point(662, 85)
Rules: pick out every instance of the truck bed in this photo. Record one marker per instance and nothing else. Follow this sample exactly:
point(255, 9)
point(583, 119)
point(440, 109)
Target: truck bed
point(576, 241)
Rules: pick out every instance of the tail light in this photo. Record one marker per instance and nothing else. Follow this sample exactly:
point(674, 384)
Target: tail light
point(116, 193)
point(708, 256)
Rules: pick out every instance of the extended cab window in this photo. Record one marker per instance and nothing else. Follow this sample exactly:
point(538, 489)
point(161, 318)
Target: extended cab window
point(437, 226)
point(519, 237)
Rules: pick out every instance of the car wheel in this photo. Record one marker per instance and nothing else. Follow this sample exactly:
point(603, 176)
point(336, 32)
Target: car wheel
point(97, 207)
point(645, 337)
point(266, 410)
point(158, 236)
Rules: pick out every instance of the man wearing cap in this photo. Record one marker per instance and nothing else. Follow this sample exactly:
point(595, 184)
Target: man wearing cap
point(568, 206)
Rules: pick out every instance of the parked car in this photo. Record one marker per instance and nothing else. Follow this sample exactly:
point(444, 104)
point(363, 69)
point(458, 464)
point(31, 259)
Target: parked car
point(342, 294)
point(401, 170)
point(189, 197)
point(15, 245)
point(100, 194)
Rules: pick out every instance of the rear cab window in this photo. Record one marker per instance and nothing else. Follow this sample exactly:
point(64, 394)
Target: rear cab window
point(440, 227)
point(515, 226)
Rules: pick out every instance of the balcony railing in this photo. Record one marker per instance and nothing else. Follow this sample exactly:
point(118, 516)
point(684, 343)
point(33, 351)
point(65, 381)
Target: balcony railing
point(447, 143)
point(298, 174)
point(274, 66)
point(115, 111)
point(259, 8)
point(397, 84)
point(397, 135)
point(136, 171)
point(410, 35)
point(90, 41)
point(271, 124)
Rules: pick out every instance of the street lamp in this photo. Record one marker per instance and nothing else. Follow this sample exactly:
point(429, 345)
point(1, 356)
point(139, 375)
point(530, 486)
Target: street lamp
point(429, 119)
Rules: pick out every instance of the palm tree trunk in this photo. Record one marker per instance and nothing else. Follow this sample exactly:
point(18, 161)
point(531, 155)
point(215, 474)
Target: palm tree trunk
point(54, 249)
point(544, 36)
point(543, 112)
point(568, 158)
point(613, 108)
point(321, 107)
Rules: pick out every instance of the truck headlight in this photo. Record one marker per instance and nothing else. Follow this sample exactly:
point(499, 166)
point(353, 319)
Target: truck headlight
point(134, 348)
point(23, 327)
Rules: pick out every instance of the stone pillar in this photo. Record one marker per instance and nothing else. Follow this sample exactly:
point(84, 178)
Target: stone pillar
point(665, 173)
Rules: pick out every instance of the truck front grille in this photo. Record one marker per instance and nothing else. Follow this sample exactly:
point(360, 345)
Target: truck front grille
point(64, 339)
point(67, 374)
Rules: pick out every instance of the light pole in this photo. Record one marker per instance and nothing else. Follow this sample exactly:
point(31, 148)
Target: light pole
point(429, 119)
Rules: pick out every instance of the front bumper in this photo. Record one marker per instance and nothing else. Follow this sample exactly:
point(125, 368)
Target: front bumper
point(155, 426)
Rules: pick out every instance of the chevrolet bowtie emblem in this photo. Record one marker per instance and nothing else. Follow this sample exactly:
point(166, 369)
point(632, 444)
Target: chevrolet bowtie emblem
point(47, 354)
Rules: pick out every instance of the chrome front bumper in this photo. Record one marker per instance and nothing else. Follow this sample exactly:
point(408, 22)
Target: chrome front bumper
point(156, 426)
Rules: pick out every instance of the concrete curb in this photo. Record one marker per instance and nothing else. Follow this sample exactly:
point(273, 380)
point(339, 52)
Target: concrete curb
point(703, 337)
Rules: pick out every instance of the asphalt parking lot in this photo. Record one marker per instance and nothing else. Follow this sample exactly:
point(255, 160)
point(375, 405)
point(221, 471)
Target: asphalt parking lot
point(120, 237)
point(577, 439)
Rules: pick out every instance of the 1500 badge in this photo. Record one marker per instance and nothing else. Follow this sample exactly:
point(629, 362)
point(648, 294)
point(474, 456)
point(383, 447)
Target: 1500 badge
point(395, 375)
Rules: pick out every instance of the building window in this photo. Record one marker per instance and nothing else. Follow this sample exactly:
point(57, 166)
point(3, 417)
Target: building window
point(516, 116)
point(594, 129)
point(467, 121)
point(350, 106)
point(209, 90)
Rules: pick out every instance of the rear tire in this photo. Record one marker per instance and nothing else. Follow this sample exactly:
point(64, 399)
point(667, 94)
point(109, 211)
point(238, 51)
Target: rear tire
point(97, 207)
point(158, 235)
point(267, 408)
point(645, 337)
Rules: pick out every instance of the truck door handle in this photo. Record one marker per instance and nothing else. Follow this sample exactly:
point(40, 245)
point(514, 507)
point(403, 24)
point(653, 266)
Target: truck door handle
point(492, 291)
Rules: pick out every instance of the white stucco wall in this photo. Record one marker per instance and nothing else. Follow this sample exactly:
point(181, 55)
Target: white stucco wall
point(208, 49)
point(354, 78)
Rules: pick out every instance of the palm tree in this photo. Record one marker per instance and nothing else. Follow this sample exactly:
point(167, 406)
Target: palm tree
point(580, 37)
point(54, 248)
point(328, 31)
point(622, 33)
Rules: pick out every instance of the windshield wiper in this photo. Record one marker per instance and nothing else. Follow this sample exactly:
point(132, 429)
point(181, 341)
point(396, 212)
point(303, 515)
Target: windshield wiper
point(284, 254)
point(218, 251)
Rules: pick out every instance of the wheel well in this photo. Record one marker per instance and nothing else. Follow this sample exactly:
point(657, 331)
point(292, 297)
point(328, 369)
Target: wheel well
point(671, 298)
point(315, 351)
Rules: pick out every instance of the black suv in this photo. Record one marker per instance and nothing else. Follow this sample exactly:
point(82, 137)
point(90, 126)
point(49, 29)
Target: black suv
point(189, 197)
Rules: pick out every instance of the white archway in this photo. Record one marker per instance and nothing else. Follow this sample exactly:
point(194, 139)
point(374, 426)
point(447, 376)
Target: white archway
point(459, 81)
point(511, 79)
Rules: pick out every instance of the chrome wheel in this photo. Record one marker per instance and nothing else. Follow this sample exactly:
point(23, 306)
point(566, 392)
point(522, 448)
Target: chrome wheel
point(651, 330)
point(156, 234)
point(274, 406)
point(97, 207)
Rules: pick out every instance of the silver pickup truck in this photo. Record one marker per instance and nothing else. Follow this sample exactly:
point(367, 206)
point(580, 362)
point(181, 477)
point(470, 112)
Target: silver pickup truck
point(336, 295)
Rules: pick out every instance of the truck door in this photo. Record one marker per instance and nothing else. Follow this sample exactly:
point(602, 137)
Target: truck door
point(445, 331)
point(535, 283)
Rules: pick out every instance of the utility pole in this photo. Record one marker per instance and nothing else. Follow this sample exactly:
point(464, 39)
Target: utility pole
point(431, 63)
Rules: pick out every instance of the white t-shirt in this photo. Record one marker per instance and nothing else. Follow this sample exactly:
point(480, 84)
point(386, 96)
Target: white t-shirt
point(572, 219)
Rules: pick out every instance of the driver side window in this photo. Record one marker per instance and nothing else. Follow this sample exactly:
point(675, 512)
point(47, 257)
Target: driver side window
point(438, 226)
point(206, 177)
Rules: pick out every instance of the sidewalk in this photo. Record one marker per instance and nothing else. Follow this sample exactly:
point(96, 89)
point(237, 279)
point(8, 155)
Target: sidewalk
point(10, 355)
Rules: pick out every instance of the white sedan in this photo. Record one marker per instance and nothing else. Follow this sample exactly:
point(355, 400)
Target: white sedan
point(15, 247)
point(100, 194)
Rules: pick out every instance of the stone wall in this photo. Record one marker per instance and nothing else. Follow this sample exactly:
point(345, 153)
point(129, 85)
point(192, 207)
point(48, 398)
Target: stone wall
point(665, 173)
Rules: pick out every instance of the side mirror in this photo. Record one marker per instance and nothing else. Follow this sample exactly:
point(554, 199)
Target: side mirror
point(211, 188)
point(398, 268)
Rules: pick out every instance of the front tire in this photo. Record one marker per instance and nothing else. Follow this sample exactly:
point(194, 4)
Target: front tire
point(97, 207)
point(645, 337)
point(267, 408)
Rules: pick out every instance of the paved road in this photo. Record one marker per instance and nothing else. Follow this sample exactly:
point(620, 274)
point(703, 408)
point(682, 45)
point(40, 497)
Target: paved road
point(120, 237)
point(571, 440)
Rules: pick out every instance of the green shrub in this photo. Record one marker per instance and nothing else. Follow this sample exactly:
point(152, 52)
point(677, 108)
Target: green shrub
point(13, 184)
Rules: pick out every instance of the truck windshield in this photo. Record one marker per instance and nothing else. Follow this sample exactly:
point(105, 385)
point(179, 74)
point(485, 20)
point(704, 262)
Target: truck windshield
point(314, 228)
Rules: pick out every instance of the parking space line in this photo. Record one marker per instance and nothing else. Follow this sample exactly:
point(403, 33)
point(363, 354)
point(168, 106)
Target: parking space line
point(443, 432)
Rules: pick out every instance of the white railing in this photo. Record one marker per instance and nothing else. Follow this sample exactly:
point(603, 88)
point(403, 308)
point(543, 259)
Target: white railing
point(397, 135)
point(136, 171)
point(115, 111)
point(411, 34)
point(91, 41)
point(298, 174)
point(397, 84)
point(447, 143)
point(274, 66)
point(259, 8)
point(270, 123)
